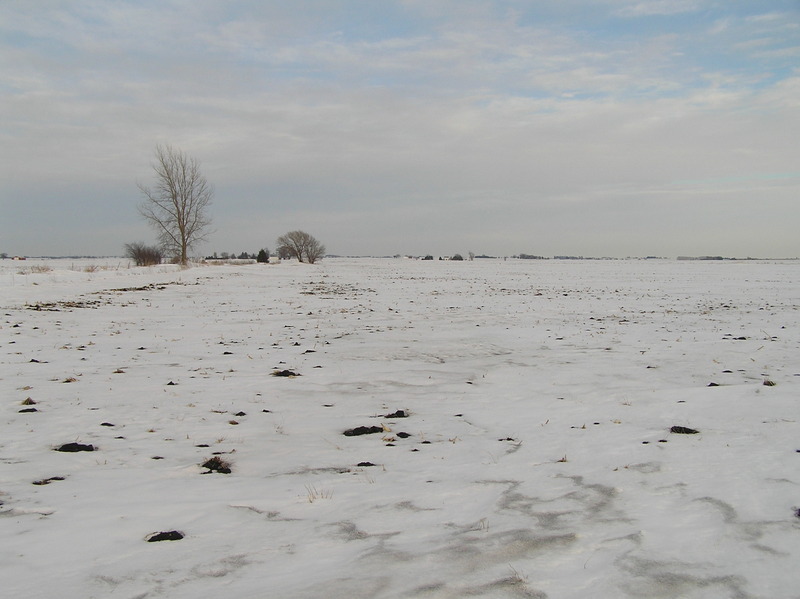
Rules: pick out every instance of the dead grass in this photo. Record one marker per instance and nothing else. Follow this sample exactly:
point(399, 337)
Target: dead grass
point(313, 494)
point(35, 269)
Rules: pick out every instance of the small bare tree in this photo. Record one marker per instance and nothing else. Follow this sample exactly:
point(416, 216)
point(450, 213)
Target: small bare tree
point(300, 245)
point(143, 255)
point(176, 205)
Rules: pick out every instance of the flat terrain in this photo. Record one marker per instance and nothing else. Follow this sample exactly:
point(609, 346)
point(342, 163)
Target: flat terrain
point(519, 419)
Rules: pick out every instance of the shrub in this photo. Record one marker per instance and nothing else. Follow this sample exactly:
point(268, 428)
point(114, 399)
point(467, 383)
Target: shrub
point(263, 256)
point(143, 255)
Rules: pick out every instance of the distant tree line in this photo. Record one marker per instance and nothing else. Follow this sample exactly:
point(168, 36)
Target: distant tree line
point(261, 255)
point(701, 258)
point(294, 244)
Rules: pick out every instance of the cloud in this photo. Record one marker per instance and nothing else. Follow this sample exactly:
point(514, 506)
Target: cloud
point(659, 8)
point(485, 124)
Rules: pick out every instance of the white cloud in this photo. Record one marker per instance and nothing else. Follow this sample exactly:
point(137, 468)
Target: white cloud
point(492, 122)
point(659, 7)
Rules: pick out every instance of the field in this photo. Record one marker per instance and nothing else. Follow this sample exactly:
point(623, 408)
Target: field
point(387, 428)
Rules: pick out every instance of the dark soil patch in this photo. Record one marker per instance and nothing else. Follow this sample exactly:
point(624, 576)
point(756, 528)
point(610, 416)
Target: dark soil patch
point(47, 481)
point(172, 535)
point(75, 447)
point(285, 373)
point(27, 410)
point(57, 306)
point(217, 464)
point(397, 414)
point(404, 435)
point(362, 430)
point(150, 287)
point(365, 464)
point(683, 430)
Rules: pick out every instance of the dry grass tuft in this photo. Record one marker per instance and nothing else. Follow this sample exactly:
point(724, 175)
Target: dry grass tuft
point(313, 494)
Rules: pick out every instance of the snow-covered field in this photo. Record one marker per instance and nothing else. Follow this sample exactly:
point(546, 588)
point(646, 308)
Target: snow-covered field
point(531, 455)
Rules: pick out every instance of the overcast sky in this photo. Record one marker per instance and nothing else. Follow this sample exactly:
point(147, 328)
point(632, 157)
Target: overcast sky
point(584, 127)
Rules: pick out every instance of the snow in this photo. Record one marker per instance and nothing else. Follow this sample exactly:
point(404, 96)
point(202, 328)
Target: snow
point(540, 397)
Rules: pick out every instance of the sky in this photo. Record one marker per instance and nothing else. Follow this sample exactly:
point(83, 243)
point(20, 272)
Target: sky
point(581, 127)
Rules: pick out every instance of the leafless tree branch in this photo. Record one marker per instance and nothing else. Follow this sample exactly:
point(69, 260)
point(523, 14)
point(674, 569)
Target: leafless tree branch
point(300, 245)
point(176, 204)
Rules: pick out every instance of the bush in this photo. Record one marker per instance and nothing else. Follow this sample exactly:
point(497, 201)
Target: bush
point(457, 257)
point(143, 255)
point(263, 256)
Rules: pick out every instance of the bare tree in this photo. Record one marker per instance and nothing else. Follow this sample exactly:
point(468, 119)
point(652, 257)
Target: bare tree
point(176, 205)
point(300, 245)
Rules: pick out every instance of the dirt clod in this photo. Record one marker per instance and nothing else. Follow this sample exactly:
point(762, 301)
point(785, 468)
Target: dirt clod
point(362, 430)
point(47, 481)
point(172, 535)
point(683, 430)
point(76, 447)
point(217, 464)
point(285, 373)
point(397, 414)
